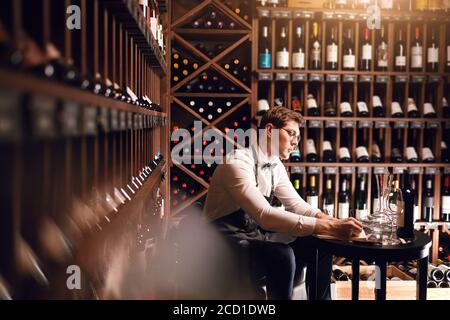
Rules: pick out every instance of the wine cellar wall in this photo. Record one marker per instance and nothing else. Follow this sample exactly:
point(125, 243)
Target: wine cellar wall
point(82, 144)
point(375, 98)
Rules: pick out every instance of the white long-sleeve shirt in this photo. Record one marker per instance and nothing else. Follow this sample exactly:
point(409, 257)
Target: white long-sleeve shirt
point(233, 186)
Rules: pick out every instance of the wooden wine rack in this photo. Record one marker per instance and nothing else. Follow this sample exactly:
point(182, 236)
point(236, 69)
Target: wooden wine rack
point(240, 35)
point(62, 146)
point(322, 79)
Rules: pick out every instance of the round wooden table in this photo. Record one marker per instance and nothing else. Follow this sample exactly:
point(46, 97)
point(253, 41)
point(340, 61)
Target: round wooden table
point(381, 255)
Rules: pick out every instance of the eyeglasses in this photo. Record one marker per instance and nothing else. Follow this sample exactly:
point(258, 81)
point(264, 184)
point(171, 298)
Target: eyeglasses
point(292, 134)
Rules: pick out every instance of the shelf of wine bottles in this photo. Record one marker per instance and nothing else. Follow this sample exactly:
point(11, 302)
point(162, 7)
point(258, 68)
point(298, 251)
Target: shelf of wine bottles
point(83, 131)
point(353, 193)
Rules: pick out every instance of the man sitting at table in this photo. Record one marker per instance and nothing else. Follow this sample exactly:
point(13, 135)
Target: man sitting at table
point(278, 241)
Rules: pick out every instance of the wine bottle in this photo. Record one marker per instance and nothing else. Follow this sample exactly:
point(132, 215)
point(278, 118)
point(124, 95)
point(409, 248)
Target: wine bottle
point(427, 155)
point(361, 151)
point(296, 179)
point(382, 53)
point(313, 109)
point(295, 155)
point(361, 212)
point(412, 110)
point(378, 110)
point(366, 57)
point(396, 110)
point(363, 111)
point(315, 48)
point(282, 59)
point(411, 155)
point(445, 157)
point(348, 58)
point(328, 154)
point(396, 153)
point(344, 154)
point(296, 104)
point(428, 200)
point(405, 218)
point(417, 214)
point(312, 195)
point(311, 153)
point(330, 110)
point(428, 110)
point(445, 199)
point(339, 275)
point(265, 57)
point(448, 57)
point(344, 200)
point(376, 153)
point(332, 52)
point(400, 54)
point(445, 108)
point(298, 55)
point(346, 109)
point(433, 53)
point(416, 52)
point(328, 198)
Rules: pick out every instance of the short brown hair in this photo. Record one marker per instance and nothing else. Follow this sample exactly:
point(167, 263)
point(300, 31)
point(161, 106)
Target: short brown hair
point(279, 116)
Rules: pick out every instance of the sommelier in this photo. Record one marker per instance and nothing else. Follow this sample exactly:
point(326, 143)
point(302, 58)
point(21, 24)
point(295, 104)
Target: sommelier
point(278, 241)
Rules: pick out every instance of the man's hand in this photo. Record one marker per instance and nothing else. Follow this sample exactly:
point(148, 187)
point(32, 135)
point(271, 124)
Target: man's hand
point(342, 229)
point(322, 215)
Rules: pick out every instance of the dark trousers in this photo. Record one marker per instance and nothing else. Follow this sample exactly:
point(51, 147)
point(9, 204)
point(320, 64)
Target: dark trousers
point(282, 263)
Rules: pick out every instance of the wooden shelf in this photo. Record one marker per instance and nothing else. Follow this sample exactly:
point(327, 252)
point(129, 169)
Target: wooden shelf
point(31, 84)
point(355, 14)
point(213, 32)
point(211, 95)
point(130, 14)
point(370, 165)
point(383, 119)
point(354, 72)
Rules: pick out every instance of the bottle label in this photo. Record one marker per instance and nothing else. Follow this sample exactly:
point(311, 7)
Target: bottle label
point(382, 55)
point(345, 107)
point(427, 153)
point(362, 106)
point(396, 109)
point(428, 202)
point(411, 153)
point(310, 147)
point(265, 60)
point(416, 213)
point(416, 57)
point(400, 61)
point(297, 184)
point(332, 53)
point(282, 59)
point(401, 218)
point(298, 60)
point(433, 55)
point(344, 153)
point(367, 52)
point(313, 201)
point(361, 152)
point(311, 103)
point(445, 204)
point(344, 210)
point(411, 105)
point(349, 61)
point(328, 209)
point(327, 146)
point(448, 55)
point(376, 101)
point(361, 214)
point(376, 205)
point(315, 52)
point(428, 108)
